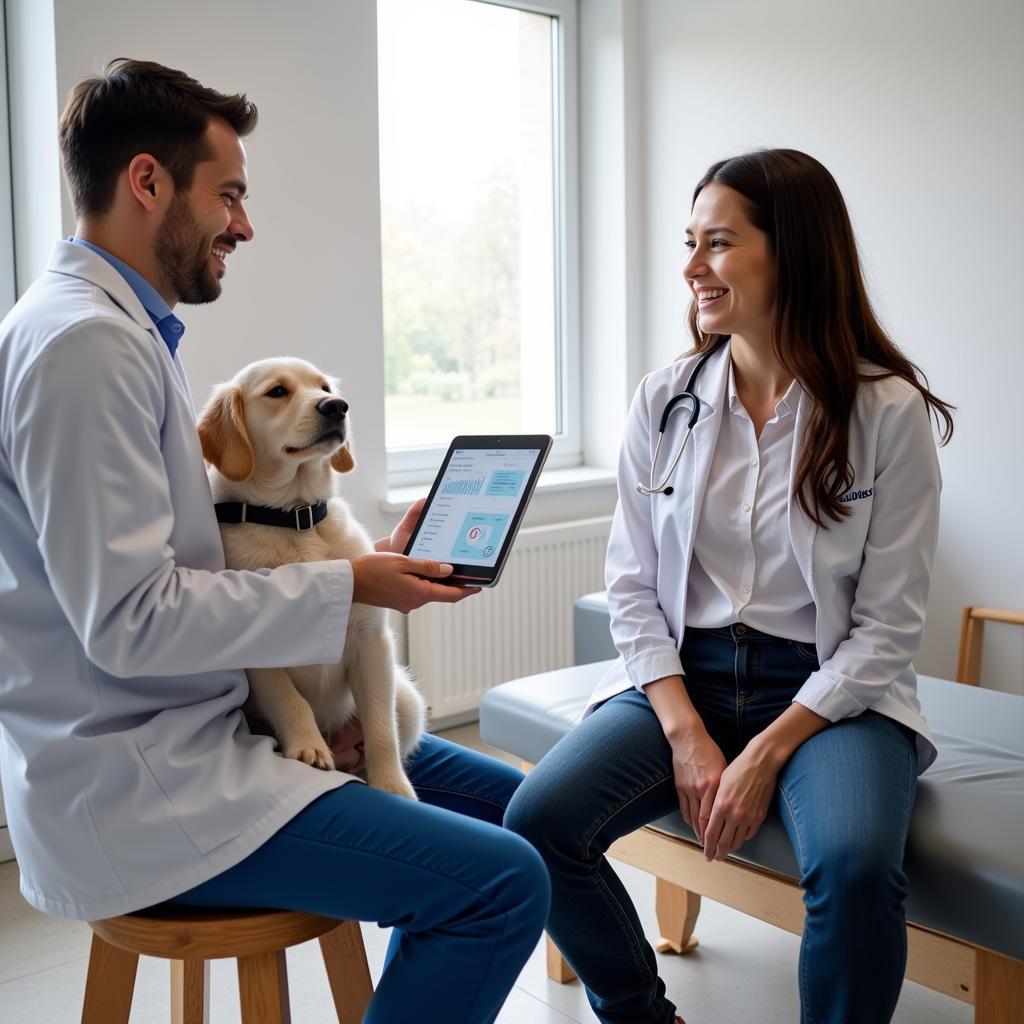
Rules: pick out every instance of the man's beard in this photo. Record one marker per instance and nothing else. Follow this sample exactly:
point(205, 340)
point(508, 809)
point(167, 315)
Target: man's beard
point(183, 256)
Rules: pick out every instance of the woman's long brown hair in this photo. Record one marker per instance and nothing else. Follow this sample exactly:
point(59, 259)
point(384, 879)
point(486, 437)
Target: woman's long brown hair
point(824, 323)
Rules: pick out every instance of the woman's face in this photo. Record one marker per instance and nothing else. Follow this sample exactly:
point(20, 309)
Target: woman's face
point(730, 270)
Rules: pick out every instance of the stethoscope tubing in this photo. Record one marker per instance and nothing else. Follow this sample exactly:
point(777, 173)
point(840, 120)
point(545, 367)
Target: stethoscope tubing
point(687, 394)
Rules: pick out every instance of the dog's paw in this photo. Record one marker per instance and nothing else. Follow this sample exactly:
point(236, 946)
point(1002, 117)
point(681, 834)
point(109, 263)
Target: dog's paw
point(400, 786)
point(316, 755)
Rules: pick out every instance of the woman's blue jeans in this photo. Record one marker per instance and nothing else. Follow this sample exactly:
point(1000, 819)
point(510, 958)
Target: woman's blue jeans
point(467, 899)
point(845, 798)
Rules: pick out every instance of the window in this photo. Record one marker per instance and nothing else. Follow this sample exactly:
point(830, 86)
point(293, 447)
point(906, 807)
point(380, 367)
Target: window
point(6, 212)
point(477, 159)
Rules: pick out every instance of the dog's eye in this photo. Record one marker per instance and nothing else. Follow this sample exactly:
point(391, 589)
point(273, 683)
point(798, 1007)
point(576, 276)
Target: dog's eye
point(277, 391)
point(325, 387)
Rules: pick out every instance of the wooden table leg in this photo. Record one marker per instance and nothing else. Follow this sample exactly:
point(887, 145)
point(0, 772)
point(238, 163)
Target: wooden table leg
point(677, 909)
point(999, 989)
point(558, 967)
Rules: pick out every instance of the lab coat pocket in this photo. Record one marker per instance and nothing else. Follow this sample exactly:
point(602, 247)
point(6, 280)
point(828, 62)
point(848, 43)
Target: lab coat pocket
point(195, 789)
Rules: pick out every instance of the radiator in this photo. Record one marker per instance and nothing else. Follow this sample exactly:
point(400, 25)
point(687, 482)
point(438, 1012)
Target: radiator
point(521, 626)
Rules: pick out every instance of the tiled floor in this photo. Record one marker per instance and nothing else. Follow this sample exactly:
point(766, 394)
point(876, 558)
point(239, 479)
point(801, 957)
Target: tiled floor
point(744, 971)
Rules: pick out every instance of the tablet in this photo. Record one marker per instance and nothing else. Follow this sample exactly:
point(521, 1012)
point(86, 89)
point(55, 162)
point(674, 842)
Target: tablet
point(476, 503)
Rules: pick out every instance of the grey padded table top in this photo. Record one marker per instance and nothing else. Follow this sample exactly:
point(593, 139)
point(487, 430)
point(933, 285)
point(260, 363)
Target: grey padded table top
point(965, 855)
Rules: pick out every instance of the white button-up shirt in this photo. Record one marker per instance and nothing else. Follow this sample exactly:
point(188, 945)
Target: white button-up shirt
point(744, 568)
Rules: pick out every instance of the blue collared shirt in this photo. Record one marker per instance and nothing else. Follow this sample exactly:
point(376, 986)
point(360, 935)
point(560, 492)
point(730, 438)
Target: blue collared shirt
point(170, 327)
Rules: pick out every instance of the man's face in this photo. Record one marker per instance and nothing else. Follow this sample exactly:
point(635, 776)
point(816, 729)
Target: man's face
point(203, 225)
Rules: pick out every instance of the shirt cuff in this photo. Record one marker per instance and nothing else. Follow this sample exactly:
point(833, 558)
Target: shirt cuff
point(826, 695)
point(340, 583)
point(653, 664)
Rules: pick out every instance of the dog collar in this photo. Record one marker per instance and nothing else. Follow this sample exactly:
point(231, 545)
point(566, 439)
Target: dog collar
point(301, 518)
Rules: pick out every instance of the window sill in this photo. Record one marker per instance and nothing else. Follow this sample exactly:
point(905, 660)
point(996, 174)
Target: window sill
point(552, 481)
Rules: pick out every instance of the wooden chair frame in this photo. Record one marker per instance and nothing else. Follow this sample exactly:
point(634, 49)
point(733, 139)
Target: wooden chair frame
point(972, 632)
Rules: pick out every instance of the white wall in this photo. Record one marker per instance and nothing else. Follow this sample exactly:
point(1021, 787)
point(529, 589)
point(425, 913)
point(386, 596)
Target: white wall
point(310, 283)
point(915, 107)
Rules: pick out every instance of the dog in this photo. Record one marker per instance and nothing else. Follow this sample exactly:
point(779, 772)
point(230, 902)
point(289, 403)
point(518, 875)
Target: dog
point(273, 437)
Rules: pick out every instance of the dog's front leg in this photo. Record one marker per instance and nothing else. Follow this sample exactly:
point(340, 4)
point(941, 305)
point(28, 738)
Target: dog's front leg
point(290, 716)
point(369, 671)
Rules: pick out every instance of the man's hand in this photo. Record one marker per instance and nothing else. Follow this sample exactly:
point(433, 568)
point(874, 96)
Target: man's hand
point(394, 581)
point(403, 531)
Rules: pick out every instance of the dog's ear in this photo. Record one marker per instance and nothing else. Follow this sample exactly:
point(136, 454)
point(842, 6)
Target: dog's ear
point(223, 436)
point(343, 461)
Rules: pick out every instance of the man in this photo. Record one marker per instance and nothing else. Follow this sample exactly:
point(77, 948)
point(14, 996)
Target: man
point(129, 774)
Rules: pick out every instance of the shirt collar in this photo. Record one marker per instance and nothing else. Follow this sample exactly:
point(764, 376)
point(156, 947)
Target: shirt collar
point(170, 327)
point(785, 405)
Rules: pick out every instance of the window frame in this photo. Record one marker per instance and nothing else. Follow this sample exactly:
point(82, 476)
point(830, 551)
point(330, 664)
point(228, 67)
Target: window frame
point(409, 466)
point(8, 282)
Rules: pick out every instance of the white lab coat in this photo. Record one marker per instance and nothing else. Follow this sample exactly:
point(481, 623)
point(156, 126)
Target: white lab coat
point(128, 771)
point(868, 575)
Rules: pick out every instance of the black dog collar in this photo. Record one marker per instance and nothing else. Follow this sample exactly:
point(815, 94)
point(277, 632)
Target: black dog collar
point(302, 518)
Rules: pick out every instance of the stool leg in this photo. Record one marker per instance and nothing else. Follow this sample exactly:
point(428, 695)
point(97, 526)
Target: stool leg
point(190, 992)
point(109, 985)
point(677, 909)
point(263, 985)
point(347, 971)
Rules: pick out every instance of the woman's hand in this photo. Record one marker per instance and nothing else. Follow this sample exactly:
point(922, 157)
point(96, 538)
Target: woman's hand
point(403, 531)
point(741, 803)
point(748, 784)
point(697, 763)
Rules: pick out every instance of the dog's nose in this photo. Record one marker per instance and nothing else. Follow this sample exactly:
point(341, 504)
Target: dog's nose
point(332, 408)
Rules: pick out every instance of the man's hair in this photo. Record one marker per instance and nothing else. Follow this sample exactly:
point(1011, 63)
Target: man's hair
point(135, 107)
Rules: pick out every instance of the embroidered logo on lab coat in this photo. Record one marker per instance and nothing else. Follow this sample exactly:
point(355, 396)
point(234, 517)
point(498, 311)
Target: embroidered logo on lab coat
point(857, 495)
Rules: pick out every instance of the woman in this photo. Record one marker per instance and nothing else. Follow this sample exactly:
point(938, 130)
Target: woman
point(767, 592)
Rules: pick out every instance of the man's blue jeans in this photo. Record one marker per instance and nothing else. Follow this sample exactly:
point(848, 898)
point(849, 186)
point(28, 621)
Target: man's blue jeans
point(845, 798)
point(466, 898)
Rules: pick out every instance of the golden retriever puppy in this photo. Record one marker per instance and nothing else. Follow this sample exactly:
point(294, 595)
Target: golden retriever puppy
point(273, 437)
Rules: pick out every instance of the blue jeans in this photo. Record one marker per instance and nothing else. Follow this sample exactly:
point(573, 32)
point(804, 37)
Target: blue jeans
point(467, 899)
point(845, 798)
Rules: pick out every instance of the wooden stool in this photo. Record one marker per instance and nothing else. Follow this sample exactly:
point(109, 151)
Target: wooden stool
point(190, 938)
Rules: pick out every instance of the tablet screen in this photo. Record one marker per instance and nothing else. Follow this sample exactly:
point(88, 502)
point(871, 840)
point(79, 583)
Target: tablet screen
point(477, 501)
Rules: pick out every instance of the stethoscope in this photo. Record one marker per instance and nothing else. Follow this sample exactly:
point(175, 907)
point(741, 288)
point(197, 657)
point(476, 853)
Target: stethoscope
point(686, 395)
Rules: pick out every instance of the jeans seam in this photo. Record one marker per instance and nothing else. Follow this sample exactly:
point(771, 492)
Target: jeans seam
point(601, 822)
point(483, 974)
point(461, 792)
point(636, 941)
point(736, 686)
point(802, 973)
point(373, 854)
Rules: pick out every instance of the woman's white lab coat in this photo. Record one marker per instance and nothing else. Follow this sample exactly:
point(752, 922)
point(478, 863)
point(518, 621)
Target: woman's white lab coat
point(868, 575)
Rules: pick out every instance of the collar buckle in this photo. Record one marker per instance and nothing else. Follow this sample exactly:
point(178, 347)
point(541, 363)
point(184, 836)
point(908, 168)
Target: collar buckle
point(303, 518)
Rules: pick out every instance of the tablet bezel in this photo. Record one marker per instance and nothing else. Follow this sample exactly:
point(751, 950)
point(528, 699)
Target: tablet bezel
point(467, 575)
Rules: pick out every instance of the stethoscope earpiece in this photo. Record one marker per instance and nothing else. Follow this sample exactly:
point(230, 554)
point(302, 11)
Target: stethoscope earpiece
point(668, 490)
